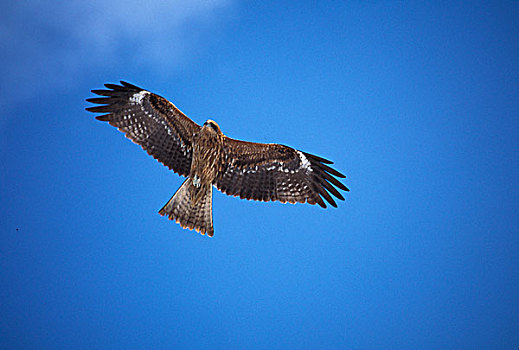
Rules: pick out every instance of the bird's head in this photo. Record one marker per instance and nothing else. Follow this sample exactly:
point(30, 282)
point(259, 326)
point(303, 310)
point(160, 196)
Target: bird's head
point(213, 126)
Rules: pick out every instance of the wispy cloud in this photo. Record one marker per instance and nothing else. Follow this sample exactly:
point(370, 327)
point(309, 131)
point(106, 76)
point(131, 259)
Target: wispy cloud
point(49, 44)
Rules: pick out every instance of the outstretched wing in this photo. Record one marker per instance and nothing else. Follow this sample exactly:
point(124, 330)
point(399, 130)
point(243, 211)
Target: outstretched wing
point(150, 121)
point(270, 172)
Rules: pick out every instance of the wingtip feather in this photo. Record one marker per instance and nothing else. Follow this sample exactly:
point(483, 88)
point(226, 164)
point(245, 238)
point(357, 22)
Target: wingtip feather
point(99, 109)
point(99, 100)
point(317, 158)
point(114, 86)
point(128, 85)
point(104, 118)
point(322, 204)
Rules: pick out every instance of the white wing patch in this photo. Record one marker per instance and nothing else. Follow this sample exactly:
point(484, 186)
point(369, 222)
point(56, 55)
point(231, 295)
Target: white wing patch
point(305, 163)
point(137, 97)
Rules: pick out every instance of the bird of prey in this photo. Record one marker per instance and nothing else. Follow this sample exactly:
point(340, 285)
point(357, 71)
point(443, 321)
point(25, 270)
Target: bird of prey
point(263, 172)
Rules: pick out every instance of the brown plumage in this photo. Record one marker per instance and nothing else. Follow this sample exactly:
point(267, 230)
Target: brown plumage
point(265, 172)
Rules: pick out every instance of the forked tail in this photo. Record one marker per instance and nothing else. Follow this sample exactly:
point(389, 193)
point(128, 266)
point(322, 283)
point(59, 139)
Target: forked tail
point(191, 207)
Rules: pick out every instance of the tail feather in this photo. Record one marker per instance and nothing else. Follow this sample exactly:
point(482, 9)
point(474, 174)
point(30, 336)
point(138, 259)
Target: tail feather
point(191, 207)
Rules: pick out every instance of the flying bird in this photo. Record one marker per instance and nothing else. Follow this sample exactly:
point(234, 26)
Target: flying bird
point(203, 154)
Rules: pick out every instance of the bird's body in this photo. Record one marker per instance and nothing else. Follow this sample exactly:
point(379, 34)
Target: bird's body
point(265, 172)
point(207, 153)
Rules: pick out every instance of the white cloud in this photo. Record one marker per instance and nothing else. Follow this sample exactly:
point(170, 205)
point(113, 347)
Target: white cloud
point(47, 44)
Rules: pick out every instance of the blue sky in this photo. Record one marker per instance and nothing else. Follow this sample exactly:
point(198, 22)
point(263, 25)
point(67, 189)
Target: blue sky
point(416, 103)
